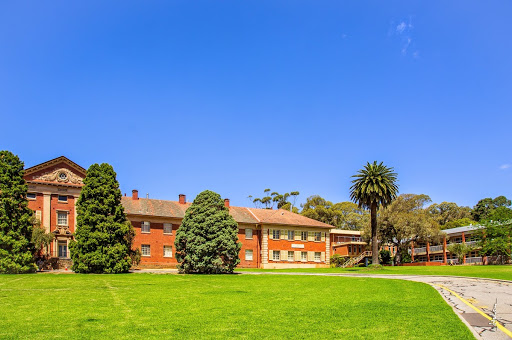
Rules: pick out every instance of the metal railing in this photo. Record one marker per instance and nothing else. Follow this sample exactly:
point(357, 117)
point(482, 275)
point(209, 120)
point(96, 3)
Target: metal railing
point(476, 259)
point(345, 239)
point(436, 248)
point(472, 243)
point(422, 250)
point(354, 260)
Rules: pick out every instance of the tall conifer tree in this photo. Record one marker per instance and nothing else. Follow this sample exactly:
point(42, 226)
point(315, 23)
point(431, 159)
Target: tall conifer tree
point(102, 237)
point(16, 249)
point(207, 240)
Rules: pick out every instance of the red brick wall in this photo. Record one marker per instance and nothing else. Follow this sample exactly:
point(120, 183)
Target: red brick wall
point(316, 246)
point(62, 206)
point(37, 204)
point(157, 239)
point(253, 244)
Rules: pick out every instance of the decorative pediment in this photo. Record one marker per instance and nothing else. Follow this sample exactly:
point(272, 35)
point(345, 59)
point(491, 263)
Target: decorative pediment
point(62, 230)
point(61, 175)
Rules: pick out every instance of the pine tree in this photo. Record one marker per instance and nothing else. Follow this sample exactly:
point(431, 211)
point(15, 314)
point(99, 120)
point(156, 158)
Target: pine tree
point(102, 237)
point(207, 241)
point(16, 248)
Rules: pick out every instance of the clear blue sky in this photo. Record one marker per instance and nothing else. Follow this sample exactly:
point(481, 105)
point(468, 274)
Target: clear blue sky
point(238, 96)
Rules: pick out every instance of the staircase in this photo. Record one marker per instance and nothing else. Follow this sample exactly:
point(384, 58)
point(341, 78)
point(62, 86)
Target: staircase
point(355, 260)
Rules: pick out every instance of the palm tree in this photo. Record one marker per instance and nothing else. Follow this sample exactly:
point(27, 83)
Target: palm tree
point(373, 187)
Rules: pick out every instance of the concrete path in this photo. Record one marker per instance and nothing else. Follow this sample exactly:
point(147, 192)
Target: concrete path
point(473, 299)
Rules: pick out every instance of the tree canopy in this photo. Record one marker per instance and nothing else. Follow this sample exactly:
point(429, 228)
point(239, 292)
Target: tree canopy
point(16, 248)
point(495, 241)
point(484, 208)
point(102, 237)
point(448, 211)
point(343, 215)
point(373, 187)
point(207, 240)
point(405, 221)
point(271, 198)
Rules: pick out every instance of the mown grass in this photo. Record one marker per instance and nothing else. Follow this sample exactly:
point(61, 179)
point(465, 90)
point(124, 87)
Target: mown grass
point(493, 272)
point(46, 306)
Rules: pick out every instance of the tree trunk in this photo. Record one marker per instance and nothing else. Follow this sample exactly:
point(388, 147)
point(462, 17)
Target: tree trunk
point(398, 256)
point(375, 242)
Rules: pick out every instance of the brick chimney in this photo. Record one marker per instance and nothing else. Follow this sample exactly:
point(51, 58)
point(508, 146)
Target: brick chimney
point(135, 195)
point(226, 202)
point(183, 199)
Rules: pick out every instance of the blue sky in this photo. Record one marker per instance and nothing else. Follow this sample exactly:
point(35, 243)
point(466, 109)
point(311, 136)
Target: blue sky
point(238, 96)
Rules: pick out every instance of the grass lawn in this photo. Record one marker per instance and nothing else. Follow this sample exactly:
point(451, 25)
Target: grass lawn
point(225, 306)
point(492, 272)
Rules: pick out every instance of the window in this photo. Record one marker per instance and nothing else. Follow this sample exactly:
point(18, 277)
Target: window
point(145, 249)
point(167, 251)
point(304, 256)
point(248, 254)
point(63, 249)
point(276, 234)
point(304, 236)
point(62, 218)
point(318, 236)
point(318, 256)
point(145, 227)
point(291, 235)
point(31, 196)
point(276, 255)
point(248, 235)
point(63, 198)
point(350, 249)
point(290, 255)
point(167, 228)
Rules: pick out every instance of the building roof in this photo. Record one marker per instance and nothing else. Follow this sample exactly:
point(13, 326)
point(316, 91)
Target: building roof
point(61, 159)
point(462, 229)
point(175, 209)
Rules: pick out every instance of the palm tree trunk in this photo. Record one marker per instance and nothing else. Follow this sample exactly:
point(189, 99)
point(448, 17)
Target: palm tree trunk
point(375, 242)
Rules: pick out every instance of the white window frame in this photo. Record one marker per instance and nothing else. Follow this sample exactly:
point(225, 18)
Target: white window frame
point(292, 233)
point(249, 254)
point(145, 224)
point(248, 233)
point(166, 247)
point(67, 218)
point(147, 247)
point(291, 256)
point(167, 225)
point(302, 238)
point(318, 236)
point(276, 232)
point(276, 255)
point(304, 256)
point(319, 258)
point(31, 193)
point(62, 201)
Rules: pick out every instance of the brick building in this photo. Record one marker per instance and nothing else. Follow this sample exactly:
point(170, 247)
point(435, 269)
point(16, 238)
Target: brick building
point(270, 238)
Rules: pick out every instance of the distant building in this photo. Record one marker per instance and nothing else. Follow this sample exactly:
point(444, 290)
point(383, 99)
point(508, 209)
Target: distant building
point(439, 254)
point(270, 238)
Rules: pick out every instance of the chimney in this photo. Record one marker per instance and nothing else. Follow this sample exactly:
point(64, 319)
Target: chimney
point(183, 199)
point(135, 195)
point(226, 202)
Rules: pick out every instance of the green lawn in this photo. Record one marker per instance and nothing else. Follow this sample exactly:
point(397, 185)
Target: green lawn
point(492, 272)
point(226, 306)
